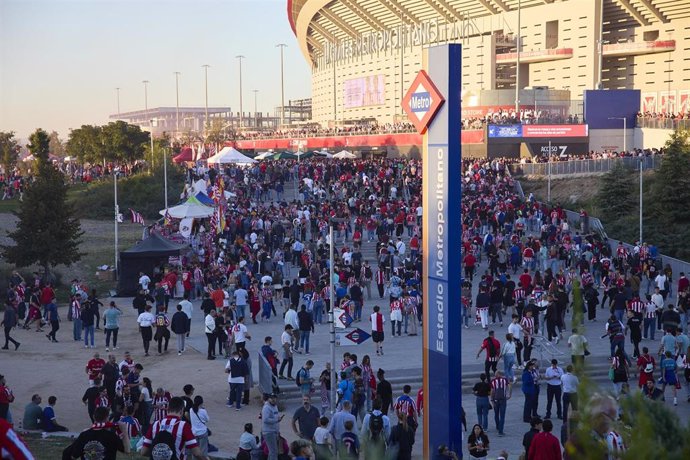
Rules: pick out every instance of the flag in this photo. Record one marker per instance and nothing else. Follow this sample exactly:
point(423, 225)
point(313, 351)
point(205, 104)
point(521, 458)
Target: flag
point(194, 155)
point(166, 218)
point(136, 217)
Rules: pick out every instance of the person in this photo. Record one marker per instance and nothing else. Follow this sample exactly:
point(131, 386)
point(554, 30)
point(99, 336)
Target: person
point(210, 330)
point(306, 327)
point(304, 380)
point(349, 442)
point(406, 405)
point(111, 317)
point(180, 327)
point(668, 373)
point(9, 321)
point(634, 325)
point(619, 366)
point(286, 342)
point(578, 347)
point(337, 423)
point(199, 419)
point(187, 309)
point(384, 390)
point(105, 438)
point(94, 368)
point(188, 391)
point(478, 442)
point(240, 334)
point(237, 370)
point(375, 432)
point(270, 425)
point(531, 391)
point(50, 422)
point(241, 296)
point(323, 441)
point(544, 445)
point(270, 354)
point(6, 398)
point(162, 332)
point(481, 391)
point(90, 396)
point(645, 365)
point(650, 390)
point(553, 389)
point(88, 318)
point(182, 437)
point(146, 321)
point(501, 391)
point(54, 319)
point(535, 424)
point(161, 403)
point(110, 374)
point(508, 353)
point(493, 349)
point(570, 382)
point(305, 420)
point(377, 329)
point(248, 444)
point(302, 449)
point(33, 413)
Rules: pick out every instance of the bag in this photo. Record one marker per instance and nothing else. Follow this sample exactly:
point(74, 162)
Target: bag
point(375, 425)
point(298, 378)
point(611, 374)
point(367, 273)
point(160, 320)
point(163, 446)
point(587, 352)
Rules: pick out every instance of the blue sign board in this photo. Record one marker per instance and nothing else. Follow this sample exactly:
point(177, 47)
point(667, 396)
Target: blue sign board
point(505, 130)
point(357, 336)
point(442, 270)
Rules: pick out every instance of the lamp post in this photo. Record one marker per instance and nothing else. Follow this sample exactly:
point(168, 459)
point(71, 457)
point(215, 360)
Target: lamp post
point(177, 103)
point(548, 194)
point(146, 98)
point(256, 114)
point(239, 58)
point(625, 149)
point(282, 85)
point(117, 216)
point(117, 91)
point(331, 318)
point(165, 178)
point(206, 66)
point(517, 65)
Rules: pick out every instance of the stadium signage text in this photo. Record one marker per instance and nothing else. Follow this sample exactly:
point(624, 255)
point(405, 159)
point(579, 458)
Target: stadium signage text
point(403, 36)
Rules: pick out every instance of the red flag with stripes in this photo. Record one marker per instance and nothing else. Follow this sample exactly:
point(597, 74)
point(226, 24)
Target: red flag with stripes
point(136, 217)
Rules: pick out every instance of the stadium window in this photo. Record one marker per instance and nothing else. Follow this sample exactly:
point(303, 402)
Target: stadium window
point(650, 35)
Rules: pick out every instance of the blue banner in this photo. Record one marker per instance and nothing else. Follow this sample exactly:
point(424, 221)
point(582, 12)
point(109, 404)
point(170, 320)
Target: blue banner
point(505, 130)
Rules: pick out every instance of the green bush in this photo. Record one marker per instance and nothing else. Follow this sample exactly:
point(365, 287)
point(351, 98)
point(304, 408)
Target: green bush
point(142, 192)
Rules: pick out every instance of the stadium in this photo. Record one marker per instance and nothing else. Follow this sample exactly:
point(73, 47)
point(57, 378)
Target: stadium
point(364, 54)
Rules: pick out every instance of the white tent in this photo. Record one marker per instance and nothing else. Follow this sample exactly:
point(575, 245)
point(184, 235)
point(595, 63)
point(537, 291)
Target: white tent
point(263, 155)
point(344, 154)
point(192, 208)
point(230, 155)
point(323, 153)
point(199, 186)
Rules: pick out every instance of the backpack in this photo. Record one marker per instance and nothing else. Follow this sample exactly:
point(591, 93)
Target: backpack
point(298, 378)
point(359, 393)
point(160, 320)
point(375, 425)
point(163, 446)
point(367, 273)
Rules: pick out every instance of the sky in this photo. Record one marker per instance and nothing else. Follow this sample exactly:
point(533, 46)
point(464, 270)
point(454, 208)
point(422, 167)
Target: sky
point(60, 61)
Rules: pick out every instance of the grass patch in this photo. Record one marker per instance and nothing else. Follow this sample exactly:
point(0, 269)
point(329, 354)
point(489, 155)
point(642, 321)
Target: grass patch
point(9, 206)
point(51, 447)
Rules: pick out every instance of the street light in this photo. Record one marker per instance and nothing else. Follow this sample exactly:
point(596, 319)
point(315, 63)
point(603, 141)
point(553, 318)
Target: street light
point(331, 318)
point(282, 85)
point(117, 216)
point(256, 114)
point(517, 66)
point(117, 90)
point(206, 66)
point(146, 98)
point(240, 57)
point(177, 103)
point(625, 149)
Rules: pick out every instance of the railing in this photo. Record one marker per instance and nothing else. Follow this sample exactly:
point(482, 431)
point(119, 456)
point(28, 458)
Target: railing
point(662, 123)
point(593, 166)
point(326, 133)
point(267, 381)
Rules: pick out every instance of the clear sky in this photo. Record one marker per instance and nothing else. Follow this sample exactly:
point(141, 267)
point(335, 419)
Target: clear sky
point(60, 60)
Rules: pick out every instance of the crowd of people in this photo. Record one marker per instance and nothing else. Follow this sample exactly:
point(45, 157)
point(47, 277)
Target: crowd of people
point(357, 129)
point(267, 260)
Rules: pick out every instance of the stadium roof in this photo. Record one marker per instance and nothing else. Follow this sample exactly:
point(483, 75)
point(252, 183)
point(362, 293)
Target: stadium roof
point(315, 22)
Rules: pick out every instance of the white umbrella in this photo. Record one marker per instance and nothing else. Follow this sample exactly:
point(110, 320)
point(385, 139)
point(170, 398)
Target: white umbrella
point(230, 155)
point(189, 210)
point(344, 154)
point(263, 155)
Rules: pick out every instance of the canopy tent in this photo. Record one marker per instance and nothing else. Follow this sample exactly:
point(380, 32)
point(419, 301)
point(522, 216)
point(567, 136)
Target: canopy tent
point(199, 186)
point(204, 199)
point(144, 257)
point(323, 153)
point(284, 156)
point(344, 154)
point(304, 155)
point(264, 156)
point(185, 155)
point(191, 208)
point(230, 155)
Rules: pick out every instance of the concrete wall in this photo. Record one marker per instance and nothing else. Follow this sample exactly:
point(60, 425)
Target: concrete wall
point(610, 140)
point(648, 138)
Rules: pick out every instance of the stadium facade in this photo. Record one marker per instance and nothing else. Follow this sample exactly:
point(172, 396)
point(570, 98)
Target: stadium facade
point(364, 54)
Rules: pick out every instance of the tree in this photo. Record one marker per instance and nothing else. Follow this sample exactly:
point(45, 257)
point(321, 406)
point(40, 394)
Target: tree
point(86, 144)
point(123, 142)
point(666, 208)
point(216, 132)
point(47, 232)
point(57, 147)
point(8, 151)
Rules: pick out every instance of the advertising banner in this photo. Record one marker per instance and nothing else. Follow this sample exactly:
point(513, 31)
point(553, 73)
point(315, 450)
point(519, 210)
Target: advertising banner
point(649, 102)
point(554, 131)
point(667, 104)
point(364, 91)
point(505, 130)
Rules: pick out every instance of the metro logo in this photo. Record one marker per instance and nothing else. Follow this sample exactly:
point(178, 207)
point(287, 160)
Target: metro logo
point(422, 101)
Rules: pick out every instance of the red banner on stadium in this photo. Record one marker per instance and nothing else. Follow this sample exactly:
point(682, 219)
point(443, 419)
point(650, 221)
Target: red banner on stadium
point(554, 131)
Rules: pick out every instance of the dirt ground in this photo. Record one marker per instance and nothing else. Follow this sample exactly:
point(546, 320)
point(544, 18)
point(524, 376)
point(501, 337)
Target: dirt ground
point(566, 191)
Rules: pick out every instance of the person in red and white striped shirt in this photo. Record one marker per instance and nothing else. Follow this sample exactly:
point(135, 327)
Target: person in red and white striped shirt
point(161, 400)
point(181, 432)
point(636, 306)
point(501, 390)
point(377, 333)
point(527, 324)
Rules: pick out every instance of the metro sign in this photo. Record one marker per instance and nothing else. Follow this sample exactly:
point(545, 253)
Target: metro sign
point(422, 101)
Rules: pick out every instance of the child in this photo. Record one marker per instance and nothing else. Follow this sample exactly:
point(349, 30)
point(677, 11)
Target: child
point(322, 439)
point(349, 442)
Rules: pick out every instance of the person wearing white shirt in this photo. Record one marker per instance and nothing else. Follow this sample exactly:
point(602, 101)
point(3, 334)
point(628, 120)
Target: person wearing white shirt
point(660, 282)
point(292, 319)
point(401, 248)
point(187, 308)
point(515, 328)
point(553, 388)
point(145, 321)
point(239, 334)
point(508, 350)
point(144, 282)
point(570, 383)
point(210, 330)
point(199, 418)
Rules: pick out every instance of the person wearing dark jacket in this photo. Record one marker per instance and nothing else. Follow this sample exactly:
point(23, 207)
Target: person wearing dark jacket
point(140, 300)
point(402, 438)
point(179, 326)
point(306, 326)
point(207, 304)
point(535, 427)
point(9, 320)
point(384, 390)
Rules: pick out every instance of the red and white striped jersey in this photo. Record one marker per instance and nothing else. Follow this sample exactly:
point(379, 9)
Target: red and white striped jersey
point(518, 294)
point(76, 309)
point(405, 405)
point(377, 321)
point(133, 426)
point(650, 310)
point(180, 430)
point(500, 383)
point(102, 401)
point(160, 406)
point(527, 324)
point(637, 305)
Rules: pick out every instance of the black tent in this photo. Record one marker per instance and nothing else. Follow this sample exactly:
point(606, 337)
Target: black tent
point(143, 257)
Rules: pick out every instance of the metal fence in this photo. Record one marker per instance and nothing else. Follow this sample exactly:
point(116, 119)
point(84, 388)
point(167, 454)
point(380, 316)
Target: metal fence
point(267, 381)
point(663, 123)
point(594, 166)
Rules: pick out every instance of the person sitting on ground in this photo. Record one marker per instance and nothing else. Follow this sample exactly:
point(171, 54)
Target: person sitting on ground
point(50, 423)
point(33, 413)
